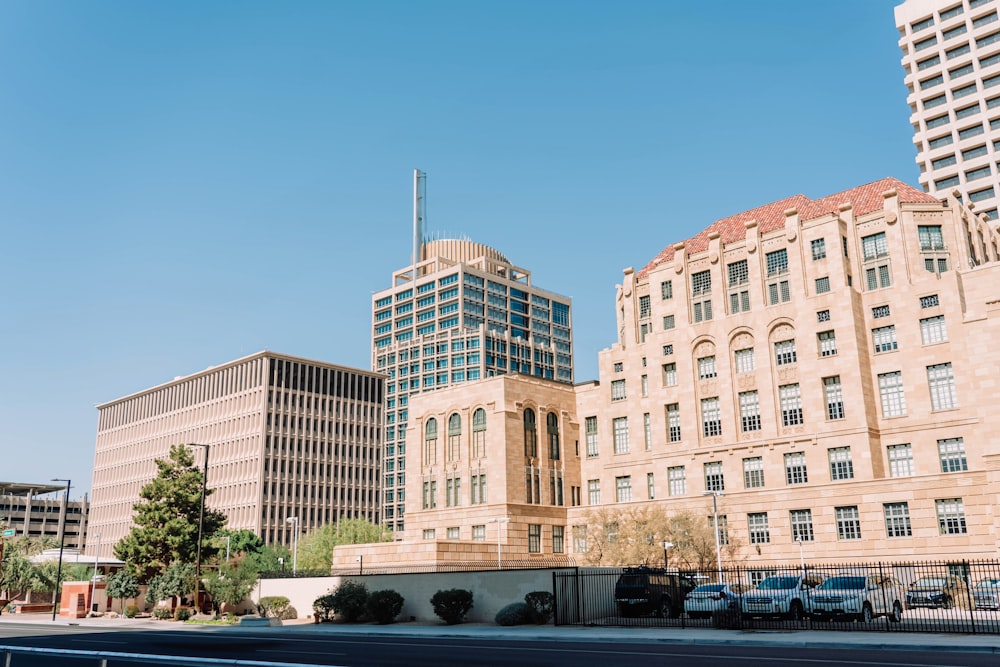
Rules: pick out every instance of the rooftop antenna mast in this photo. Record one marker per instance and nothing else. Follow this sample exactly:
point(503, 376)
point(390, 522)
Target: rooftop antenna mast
point(419, 213)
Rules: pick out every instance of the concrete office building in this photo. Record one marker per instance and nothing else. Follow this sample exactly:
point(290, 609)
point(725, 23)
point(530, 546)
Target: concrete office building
point(287, 437)
point(828, 367)
point(459, 313)
point(40, 510)
point(951, 56)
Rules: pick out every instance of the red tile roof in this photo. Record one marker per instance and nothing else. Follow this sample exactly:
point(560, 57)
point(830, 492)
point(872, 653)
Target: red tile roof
point(770, 217)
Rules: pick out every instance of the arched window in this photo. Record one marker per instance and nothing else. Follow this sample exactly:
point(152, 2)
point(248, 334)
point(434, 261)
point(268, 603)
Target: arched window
point(552, 428)
point(454, 437)
point(479, 433)
point(430, 442)
point(530, 434)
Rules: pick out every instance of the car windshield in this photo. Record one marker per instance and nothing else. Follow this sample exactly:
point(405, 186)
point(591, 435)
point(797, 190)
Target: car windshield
point(931, 582)
point(988, 584)
point(632, 580)
point(778, 583)
point(709, 588)
point(843, 583)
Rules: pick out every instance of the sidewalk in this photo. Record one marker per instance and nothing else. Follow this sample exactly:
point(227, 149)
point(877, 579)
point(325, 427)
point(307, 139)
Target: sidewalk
point(812, 639)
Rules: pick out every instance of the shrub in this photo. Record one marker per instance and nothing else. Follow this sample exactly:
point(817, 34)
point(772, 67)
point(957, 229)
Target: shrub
point(162, 613)
point(384, 606)
point(516, 613)
point(182, 613)
point(540, 605)
point(131, 611)
point(452, 605)
point(323, 608)
point(274, 606)
point(349, 600)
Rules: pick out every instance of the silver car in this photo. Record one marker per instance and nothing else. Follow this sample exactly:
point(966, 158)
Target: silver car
point(986, 594)
point(703, 600)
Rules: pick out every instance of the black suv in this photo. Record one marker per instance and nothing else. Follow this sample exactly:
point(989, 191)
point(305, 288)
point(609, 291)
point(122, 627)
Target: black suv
point(644, 590)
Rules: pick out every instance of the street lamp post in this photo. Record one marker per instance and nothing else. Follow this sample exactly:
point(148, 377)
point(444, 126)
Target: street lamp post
point(294, 520)
point(666, 545)
point(498, 521)
point(802, 558)
point(201, 525)
point(57, 594)
point(715, 520)
point(93, 582)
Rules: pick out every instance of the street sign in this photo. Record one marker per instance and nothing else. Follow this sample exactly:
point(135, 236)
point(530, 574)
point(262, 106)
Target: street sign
point(9, 532)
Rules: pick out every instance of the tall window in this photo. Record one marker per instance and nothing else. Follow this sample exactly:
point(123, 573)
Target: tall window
point(644, 307)
point(430, 442)
point(791, 405)
point(677, 483)
point(848, 523)
point(479, 532)
point(556, 487)
point(757, 525)
point(618, 390)
point(478, 489)
point(777, 262)
point(666, 290)
point(749, 411)
point(827, 343)
point(930, 237)
point(875, 251)
point(669, 375)
point(479, 433)
point(818, 248)
point(900, 460)
point(644, 385)
point(795, 468)
point(753, 472)
point(941, 382)
point(623, 489)
point(744, 360)
point(777, 286)
point(834, 397)
point(590, 428)
point(668, 322)
point(714, 481)
point(429, 494)
point(650, 486)
point(739, 277)
point(874, 246)
point(530, 433)
point(890, 386)
point(533, 485)
point(454, 437)
point(552, 430)
point(580, 539)
point(453, 491)
point(706, 368)
point(534, 538)
point(620, 426)
point(647, 433)
point(897, 520)
point(593, 491)
point(951, 451)
point(951, 516)
point(701, 290)
point(558, 539)
point(723, 527)
point(823, 285)
point(784, 352)
point(884, 338)
point(932, 330)
point(711, 417)
point(841, 465)
point(802, 525)
point(673, 422)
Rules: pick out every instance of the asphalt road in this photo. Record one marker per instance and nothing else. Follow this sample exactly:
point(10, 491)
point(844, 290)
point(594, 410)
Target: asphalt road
point(360, 650)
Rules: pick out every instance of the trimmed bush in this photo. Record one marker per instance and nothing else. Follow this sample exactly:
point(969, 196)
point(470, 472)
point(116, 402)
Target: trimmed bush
point(452, 605)
point(384, 606)
point(540, 606)
point(516, 613)
point(349, 600)
point(182, 613)
point(162, 613)
point(275, 606)
point(323, 608)
point(131, 611)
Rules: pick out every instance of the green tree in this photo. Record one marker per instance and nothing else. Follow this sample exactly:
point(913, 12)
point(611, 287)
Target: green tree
point(166, 520)
point(267, 559)
point(177, 580)
point(316, 548)
point(123, 585)
point(233, 582)
point(43, 575)
point(241, 542)
point(16, 574)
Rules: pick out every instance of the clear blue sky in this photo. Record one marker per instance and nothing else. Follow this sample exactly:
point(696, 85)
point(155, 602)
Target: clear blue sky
point(183, 183)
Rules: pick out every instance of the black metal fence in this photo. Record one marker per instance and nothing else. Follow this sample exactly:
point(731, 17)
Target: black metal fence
point(945, 596)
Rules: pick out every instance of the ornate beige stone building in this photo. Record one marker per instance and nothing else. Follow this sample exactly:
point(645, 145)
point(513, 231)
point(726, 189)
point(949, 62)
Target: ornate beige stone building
point(287, 437)
point(827, 368)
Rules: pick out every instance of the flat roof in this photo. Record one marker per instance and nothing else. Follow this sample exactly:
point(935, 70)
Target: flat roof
point(22, 489)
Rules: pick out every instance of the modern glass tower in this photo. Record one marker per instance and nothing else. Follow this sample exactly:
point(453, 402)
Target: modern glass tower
point(459, 313)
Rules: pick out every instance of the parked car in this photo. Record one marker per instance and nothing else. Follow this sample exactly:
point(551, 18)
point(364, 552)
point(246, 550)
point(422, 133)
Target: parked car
point(986, 594)
point(781, 596)
point(703, 600)
point(859, 597)
point(644, 590)
point(935, 591)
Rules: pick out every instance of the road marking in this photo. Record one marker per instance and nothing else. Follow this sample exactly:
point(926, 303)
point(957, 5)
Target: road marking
point(95, 641)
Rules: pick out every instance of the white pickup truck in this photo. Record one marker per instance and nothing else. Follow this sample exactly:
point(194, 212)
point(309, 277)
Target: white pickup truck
point(781, 596)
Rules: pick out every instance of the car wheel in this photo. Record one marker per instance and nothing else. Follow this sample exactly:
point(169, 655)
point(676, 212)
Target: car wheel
point(663, 610)
point(795, 611)
point(896, 615)
point(866, 614)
